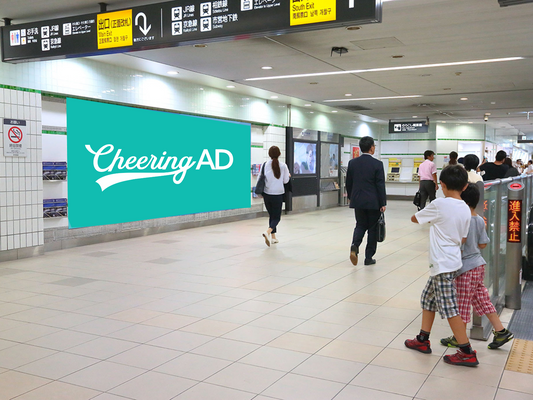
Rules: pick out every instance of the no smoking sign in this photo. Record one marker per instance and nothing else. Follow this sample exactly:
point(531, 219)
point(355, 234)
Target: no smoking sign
point(15, 134)
point(14, 137)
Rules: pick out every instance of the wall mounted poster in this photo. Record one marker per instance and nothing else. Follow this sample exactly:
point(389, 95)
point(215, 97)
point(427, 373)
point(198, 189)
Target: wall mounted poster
point(129, 164)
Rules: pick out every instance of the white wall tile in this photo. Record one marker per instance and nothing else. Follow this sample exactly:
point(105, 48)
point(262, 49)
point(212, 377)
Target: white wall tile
point(3, 243)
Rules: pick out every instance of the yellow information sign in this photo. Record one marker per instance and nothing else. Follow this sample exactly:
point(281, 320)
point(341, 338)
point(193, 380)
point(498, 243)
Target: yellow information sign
point(115, 29)
point(312, 11)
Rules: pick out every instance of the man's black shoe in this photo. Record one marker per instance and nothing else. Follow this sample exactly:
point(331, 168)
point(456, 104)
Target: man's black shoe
point(370, 261)
point(354, 251)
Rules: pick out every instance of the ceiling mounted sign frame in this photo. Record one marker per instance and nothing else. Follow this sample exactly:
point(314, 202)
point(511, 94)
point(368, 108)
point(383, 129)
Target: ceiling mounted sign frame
point(177, 23)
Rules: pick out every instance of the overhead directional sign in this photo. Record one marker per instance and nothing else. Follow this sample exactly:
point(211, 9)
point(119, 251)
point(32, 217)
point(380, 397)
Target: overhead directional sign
point(412, 126)
point(177, 23)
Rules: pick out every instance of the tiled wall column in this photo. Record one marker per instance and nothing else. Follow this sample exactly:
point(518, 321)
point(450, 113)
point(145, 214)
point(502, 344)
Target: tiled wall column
point(21, 184)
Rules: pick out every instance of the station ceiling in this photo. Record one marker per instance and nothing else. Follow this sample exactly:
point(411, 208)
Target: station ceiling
point(419, 49)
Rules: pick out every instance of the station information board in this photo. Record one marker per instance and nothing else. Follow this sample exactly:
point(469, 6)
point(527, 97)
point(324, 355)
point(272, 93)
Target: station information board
point(177, 23)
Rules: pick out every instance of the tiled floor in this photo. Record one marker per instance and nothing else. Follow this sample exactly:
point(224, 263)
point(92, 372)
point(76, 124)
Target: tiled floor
point(212, 313)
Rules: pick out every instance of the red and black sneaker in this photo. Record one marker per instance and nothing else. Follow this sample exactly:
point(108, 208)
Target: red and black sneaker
point(461, 358)
point(415, 344)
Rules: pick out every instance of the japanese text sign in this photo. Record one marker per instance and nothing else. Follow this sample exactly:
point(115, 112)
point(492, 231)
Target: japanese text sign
point(514, 221)
point(15, 137)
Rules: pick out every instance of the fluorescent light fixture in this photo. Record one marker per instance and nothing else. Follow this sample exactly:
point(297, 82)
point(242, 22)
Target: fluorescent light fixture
point(464, 98)
point(405, 67)
point(307, 105)
point(348, 95)
point(273, 97)
point(374, 120)
point(173, 72)
point(334, 111)
point(375, 98)
point(415, 116)
point(266, 67)
point(230, 87)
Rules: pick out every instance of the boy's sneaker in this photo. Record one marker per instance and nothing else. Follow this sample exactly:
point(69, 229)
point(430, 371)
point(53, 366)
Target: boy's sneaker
point(460, 358)
point(449, 342)
point(500, 339)
point(423, 347)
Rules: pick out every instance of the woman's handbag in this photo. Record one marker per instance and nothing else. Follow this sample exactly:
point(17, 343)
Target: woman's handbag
point(381, 228)
point(417, 199)
point(260, 185)
point(288, 188)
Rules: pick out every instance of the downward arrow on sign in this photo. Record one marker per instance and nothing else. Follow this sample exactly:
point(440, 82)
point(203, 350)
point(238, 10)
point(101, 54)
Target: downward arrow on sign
point(143, 29)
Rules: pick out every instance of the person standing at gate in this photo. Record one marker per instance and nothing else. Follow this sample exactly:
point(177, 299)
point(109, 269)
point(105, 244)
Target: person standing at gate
point(469, 280)
point(495, 170)
point(427, 171)
point(365, 187)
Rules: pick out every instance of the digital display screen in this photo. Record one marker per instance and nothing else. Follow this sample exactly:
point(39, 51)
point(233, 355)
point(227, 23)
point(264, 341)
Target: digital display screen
point(395, 170)
point(304, 158)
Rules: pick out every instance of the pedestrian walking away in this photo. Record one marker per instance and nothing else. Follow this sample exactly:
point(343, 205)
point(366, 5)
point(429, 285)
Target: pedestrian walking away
point(276, 175)
point(365, 187)
point(427, 172)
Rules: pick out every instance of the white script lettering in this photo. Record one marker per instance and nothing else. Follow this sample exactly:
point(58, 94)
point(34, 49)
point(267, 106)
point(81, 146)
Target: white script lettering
point(178, 168)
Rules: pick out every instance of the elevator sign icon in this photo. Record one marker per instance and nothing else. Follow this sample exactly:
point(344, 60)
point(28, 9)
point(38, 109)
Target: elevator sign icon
point(15, 137)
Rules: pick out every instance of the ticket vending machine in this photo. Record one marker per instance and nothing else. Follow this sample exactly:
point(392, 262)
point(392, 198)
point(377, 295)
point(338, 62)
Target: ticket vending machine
point(418, 161)
point(393, 175)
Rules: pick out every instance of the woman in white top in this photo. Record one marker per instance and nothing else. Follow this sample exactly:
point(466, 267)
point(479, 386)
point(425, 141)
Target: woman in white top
point(471, 163)
point(453, 159)
point(276, 174)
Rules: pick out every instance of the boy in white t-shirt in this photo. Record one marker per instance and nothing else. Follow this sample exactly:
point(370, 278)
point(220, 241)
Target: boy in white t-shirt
point(449, 220)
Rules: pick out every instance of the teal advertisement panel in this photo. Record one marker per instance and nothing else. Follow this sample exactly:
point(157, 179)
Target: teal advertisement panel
point(128, 164)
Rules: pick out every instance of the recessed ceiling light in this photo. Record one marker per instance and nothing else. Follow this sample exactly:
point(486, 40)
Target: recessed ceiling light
point(334, 111)
point(404, 67)
point(415, 116)
point(470, 122)
point(200, 45)
point(487, 113)
point(266, 67)
point(311, 112)
point(464, 98)
point(230, 87)
point(397, 56)
point(353, 28)
point(374, 120)
point(273, 97)
point(173, 72)
point(348, 94)
point(307, 105)
point(201, 88)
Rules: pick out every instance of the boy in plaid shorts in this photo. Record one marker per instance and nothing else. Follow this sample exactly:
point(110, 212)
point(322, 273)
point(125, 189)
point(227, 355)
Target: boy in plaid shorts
point(471, 290)
point(449, 220)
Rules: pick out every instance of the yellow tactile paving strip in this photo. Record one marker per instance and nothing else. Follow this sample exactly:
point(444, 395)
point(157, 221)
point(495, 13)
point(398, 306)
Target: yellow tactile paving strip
point(521, 357)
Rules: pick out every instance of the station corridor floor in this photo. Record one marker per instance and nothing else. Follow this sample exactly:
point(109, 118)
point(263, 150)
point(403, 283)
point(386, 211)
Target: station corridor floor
point(212, 313)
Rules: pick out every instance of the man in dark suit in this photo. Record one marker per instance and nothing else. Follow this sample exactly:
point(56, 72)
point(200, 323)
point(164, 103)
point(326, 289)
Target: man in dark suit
point(365, 186)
